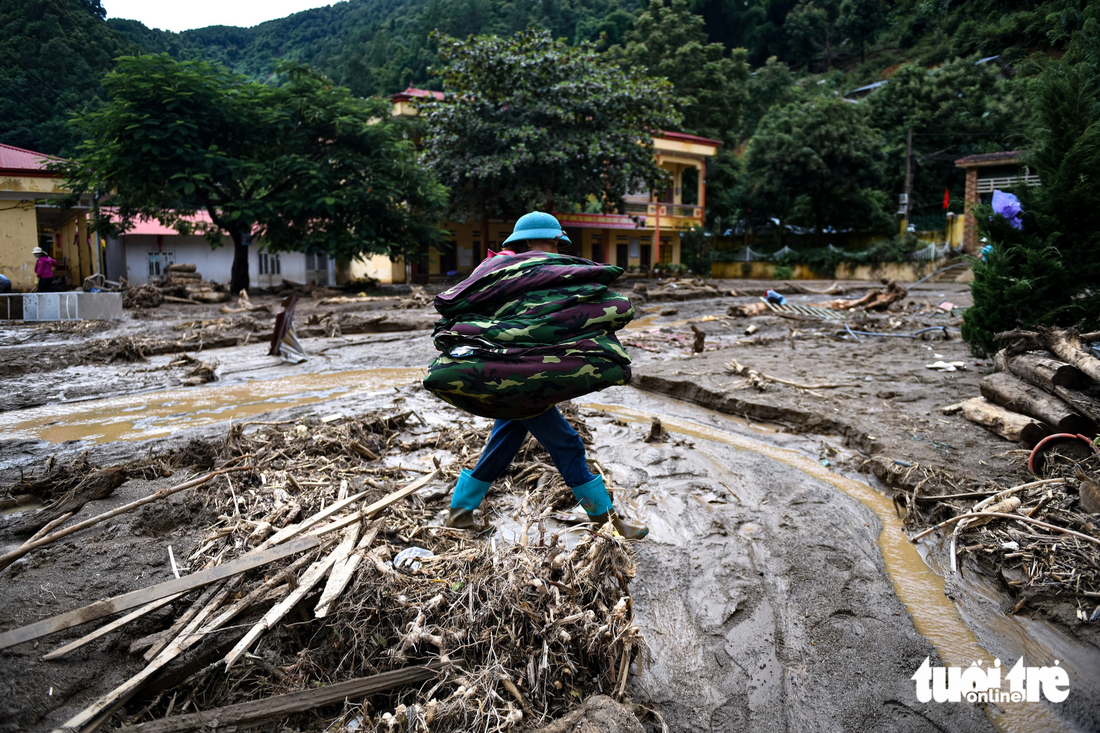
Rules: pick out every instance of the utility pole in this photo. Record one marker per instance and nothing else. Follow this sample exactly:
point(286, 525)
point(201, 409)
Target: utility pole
point(904, 208)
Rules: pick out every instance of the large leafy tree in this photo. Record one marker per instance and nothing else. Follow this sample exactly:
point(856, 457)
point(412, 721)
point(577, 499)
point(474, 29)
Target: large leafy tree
point(304, 164)
point(955, 110)
point(1045, 268)
point(819, 156)
point(528, 122)
point(710, 86)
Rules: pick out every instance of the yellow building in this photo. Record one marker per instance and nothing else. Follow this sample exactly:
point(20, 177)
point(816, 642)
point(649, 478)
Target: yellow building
point(27, 220)
point(644, 236)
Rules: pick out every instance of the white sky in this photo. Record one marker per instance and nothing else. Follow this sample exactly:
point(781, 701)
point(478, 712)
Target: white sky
point(171, 15)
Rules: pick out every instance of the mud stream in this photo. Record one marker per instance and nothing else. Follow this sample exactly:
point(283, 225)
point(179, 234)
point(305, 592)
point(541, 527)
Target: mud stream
point(153, 414)
point(918, 586)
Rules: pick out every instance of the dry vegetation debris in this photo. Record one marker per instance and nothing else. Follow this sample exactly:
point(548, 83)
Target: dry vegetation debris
point(520, 630)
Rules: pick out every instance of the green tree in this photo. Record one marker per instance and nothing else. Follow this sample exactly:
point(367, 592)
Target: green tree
point(955, 110)
point(531, 123)
point(860, 21)
point(1047, 271)
point(812, 26)
point(820, 155)
point(304, 165)
point(710, 87)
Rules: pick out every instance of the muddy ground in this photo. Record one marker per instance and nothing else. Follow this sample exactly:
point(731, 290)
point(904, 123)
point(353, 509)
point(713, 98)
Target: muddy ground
point(763, 593)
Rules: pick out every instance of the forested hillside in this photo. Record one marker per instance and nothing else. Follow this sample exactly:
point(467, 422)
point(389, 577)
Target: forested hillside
point(54, 52)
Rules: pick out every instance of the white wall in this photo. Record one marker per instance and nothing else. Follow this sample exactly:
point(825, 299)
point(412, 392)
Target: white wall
point(212, 264)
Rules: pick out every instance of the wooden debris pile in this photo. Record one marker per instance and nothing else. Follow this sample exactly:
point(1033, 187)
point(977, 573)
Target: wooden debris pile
point(875, 300)
point(142, 296)
point(1040, 538)
point(328, 592)
point(417, 299)
point(182, 281)
point(1046, 382)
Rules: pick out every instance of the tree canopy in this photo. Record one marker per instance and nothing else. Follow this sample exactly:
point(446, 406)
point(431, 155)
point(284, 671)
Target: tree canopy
point(304, 164)
point(529, 122)
point(819, 154)
point(709, 85)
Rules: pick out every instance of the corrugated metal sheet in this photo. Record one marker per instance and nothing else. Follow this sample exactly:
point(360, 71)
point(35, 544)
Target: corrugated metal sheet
point(18, 159)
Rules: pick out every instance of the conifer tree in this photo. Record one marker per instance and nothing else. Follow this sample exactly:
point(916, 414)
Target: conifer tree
point(1047, 272)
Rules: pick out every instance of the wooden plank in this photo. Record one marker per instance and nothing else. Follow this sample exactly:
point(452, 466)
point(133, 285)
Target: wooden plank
point(306, 583)
point(287, 532)
point(181, 622)
point(146, 595)
point(97, 713)
point(374, 509)
point(257, 712)
point(342, 573)
point(108, 628)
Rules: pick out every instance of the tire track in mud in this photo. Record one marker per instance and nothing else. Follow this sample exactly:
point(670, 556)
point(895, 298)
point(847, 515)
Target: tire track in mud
point(773, 602)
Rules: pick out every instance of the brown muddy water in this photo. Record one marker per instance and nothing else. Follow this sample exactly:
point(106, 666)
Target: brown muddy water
point(919, 587)
point(154, 414)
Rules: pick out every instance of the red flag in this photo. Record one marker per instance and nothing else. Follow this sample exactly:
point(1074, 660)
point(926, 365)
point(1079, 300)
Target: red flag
point(946, 198)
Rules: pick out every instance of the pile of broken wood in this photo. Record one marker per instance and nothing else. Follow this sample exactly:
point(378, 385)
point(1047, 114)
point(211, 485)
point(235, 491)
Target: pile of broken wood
point(325, 598)
point(182, 282)
point(876, 299)
point(1046, 382)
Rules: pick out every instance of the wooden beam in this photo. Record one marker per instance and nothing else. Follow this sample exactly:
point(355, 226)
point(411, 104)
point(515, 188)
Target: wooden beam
point(108, 628)
point(147, 595)
point(257, 712)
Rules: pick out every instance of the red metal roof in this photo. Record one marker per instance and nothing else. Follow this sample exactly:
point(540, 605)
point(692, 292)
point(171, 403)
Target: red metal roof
point(413, 93)
point(152, 226)
point(1006, 156)
point(15, 160)
point(688, 138)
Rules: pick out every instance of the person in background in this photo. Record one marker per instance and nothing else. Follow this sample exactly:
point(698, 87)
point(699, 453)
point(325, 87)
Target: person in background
point(5, 284)
point(43, 268)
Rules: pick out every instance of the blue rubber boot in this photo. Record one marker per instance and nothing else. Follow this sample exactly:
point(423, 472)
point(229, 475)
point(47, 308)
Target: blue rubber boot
point(596, 501)
point(468, 495)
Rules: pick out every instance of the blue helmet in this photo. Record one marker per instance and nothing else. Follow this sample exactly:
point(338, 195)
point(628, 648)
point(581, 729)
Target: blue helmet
point(537, 225)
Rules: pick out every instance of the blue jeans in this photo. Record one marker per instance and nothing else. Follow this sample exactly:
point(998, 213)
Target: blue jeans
point(551, 430)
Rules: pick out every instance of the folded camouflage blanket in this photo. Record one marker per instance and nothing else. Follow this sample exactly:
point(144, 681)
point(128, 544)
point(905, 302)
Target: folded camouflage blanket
point(526, 332)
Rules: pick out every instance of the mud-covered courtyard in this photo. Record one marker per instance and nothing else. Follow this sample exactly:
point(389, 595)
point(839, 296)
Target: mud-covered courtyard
point(777, 591)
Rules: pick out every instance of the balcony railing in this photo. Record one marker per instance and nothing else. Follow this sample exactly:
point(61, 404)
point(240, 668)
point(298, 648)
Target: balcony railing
point(668, 210)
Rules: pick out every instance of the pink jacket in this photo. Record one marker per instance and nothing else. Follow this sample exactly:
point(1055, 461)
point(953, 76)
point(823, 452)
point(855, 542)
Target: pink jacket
point(44, 266)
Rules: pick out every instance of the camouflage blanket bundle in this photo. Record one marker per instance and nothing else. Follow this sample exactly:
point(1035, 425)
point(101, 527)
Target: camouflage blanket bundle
point(527, 331)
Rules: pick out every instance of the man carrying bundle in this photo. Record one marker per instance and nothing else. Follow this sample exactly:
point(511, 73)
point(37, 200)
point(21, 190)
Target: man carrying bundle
point(528, 329)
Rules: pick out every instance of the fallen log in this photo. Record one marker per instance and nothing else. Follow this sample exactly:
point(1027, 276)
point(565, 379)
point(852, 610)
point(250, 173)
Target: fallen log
point(1019, 396)
point(1067, 347)
point(257, 712)
point(143, 596)
point(749, 310)
point(876, 299)
point(1009, 425)
point(181, 267)
point(1041, 370)
point(1083, 402)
